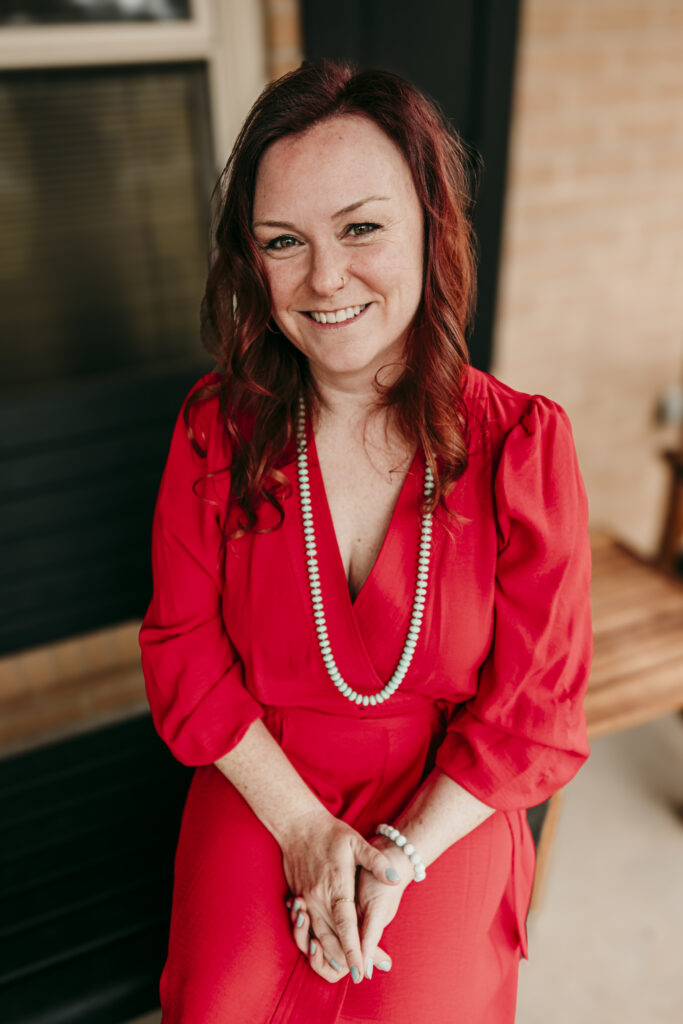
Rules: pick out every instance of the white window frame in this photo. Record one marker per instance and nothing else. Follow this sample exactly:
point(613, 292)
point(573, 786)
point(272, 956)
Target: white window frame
point(227, 34)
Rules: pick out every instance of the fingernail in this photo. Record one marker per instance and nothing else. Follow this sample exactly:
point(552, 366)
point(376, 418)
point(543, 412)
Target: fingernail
point(312, 947)
point(355, 974)
point(368, 968)
point(384, 965)
point(300, 920)
point(297, 904)
point(288, 903)
point(392, 875)
point(333, 963)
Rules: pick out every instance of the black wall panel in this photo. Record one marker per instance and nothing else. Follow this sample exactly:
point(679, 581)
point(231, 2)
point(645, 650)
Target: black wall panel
point(80, 465)
point(88, 830)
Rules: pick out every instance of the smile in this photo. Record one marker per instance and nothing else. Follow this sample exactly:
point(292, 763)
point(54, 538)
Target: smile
point(337, 316)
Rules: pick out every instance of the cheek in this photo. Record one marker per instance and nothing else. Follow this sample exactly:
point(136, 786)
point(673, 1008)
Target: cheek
point(282, 281)
point(391, 272)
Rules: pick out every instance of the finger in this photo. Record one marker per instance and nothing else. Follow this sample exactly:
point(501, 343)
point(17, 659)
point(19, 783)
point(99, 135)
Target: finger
point(376, 862)
point(381, 961)
point(295, 903)
point(345, 922)
point(300, 930)
point(310, 946)
point(320, 965)
point(295, 906)
point(371, 930)
point(329, 945)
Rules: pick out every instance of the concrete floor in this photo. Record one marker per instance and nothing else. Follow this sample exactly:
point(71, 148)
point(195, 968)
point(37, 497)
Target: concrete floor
point(605, 944)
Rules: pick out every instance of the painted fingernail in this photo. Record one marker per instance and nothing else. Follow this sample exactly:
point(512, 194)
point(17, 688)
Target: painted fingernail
point(333, 963)
point(300, 920)
point(297, 904)
point(312, 947)
point(368, 968)
point(288, 903)
point(384, 965)
point(355, 974)
point(392, 875)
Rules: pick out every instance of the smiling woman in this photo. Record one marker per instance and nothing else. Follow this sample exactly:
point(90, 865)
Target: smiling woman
point(370, 626)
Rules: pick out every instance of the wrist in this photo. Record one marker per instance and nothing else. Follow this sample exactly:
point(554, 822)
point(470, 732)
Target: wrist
point(306, 824)
point(406, 847)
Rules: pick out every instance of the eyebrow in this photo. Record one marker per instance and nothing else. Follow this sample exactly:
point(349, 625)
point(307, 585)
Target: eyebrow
point(340, 213)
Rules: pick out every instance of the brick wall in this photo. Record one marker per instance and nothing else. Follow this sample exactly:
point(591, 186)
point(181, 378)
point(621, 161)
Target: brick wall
point(283, 36)
point(590, 307)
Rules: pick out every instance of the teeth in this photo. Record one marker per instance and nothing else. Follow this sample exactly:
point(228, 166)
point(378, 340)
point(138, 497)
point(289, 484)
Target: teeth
point(338, 316)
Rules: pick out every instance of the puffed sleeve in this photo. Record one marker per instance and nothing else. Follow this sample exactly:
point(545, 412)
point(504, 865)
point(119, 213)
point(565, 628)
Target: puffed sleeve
point(523, 734)
point(193, 676)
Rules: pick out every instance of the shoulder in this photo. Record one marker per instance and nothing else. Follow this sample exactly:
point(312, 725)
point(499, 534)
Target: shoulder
point(199, 455)
point(200, 437)
point(204, 392)
point(495, 412)
point(200, 413)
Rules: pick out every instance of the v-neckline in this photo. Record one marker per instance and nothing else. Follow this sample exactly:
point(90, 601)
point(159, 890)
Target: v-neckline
point(325, 523)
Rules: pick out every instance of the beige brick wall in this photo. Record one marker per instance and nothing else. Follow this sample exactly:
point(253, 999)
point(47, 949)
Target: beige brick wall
point(283, 36)
point(590, 307)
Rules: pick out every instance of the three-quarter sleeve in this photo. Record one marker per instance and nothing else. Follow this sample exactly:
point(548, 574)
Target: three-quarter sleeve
point(523, 734)
point(193, 675)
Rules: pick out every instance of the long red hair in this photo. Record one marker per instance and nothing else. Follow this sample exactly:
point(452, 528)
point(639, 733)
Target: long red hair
point(262, 374)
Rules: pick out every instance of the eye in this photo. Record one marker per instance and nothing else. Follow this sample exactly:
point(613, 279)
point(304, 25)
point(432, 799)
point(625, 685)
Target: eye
point(366, 228)
point(281, 242)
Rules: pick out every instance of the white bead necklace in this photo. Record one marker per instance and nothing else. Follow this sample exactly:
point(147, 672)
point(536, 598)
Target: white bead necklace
point(419, 599)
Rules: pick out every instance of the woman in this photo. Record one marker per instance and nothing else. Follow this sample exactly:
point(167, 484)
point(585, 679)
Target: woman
point(371, 590)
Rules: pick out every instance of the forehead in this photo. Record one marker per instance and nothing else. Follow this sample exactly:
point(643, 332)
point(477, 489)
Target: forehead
point(334, 163)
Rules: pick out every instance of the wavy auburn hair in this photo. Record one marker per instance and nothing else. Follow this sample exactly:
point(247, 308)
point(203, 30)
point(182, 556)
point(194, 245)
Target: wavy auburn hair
point(262, 373)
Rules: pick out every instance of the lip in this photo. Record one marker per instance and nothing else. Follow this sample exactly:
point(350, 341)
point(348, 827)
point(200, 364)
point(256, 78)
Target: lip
point(332, 327)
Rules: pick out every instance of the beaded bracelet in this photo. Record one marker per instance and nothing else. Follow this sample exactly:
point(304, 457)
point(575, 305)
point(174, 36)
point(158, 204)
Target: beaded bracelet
point(389, 832)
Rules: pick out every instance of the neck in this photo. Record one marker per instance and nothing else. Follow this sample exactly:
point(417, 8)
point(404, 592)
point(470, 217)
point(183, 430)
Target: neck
point(350, 396)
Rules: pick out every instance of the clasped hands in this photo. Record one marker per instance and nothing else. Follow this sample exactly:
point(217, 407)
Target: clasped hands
point(347, 890)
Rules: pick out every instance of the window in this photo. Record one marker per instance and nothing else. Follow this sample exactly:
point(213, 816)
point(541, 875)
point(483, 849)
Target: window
point(104, 201)
point(112, 133)
point(61, 12)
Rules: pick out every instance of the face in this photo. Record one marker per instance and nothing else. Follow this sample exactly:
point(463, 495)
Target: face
point(340, 227)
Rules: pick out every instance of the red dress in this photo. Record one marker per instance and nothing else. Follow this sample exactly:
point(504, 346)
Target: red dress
point(494, 697)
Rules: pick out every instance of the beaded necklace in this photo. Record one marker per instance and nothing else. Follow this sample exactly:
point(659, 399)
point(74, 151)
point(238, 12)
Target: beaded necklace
point(419, 598)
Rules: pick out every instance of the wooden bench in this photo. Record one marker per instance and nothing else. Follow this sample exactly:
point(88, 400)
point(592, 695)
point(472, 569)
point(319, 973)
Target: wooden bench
point(637, 672)
point(637, 669)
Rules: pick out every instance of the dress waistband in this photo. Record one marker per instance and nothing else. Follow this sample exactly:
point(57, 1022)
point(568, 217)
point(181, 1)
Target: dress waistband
point(416, 717)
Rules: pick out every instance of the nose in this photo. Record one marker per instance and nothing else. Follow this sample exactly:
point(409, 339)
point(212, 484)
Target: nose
point(328, 271)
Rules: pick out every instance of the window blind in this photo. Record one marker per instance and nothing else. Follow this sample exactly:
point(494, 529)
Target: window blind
point(105, 178)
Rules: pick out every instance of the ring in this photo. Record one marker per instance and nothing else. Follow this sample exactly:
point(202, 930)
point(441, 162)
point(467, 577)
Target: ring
point(342, 899)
